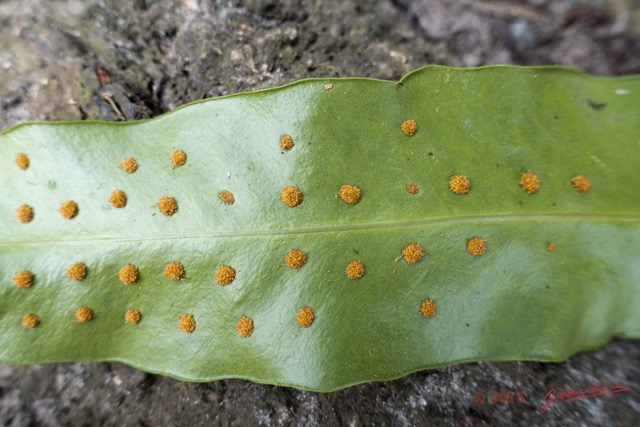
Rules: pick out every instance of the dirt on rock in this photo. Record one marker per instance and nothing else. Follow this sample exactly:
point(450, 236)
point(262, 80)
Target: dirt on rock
point(126, 60)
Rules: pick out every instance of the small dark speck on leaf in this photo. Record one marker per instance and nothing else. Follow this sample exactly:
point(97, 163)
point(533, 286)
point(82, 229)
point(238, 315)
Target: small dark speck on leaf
point(431, 153)
point(555, 117)
point(357, 252)
point(547, 286)
point(596, 105)
point(467, 324)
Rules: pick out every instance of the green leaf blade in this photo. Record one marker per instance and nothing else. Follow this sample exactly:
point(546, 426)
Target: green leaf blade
point(518, 301)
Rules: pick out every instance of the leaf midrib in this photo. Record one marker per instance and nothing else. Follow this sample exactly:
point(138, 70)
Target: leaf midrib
point(606, 217)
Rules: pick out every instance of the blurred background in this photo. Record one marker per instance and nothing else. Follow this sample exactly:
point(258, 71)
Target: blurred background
point(133, 59)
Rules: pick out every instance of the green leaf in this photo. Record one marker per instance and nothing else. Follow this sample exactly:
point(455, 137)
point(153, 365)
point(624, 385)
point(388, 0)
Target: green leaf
point(560, 273)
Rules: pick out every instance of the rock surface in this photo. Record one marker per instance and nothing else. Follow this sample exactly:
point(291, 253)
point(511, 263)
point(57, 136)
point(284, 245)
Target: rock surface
point(114, 60)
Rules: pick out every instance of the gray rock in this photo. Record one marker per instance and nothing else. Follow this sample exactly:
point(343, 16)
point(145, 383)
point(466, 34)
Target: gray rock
point(522, 35)
point(160, 54)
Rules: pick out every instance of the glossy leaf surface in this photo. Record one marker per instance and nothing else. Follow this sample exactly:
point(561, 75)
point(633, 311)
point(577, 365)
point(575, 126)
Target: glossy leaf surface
point(561, 272)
